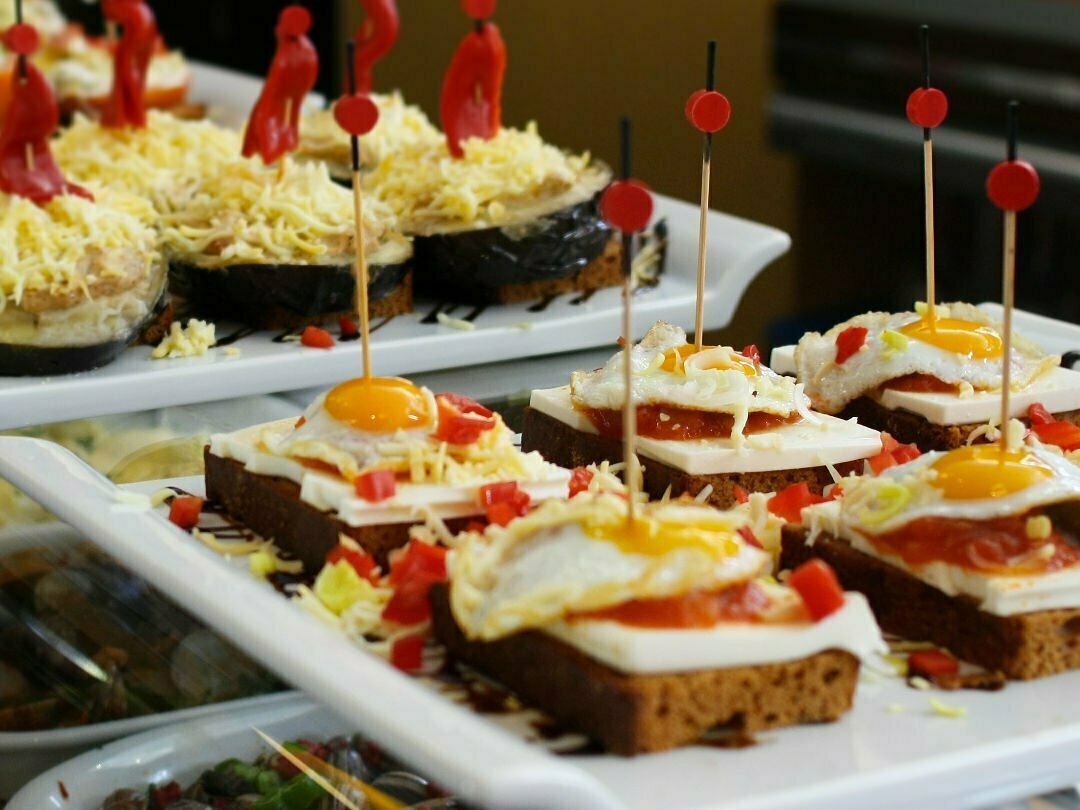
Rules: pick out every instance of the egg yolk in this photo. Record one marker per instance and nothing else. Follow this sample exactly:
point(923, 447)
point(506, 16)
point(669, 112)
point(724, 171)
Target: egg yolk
point(973, 340)
point(378, 405)
point(655, 538)
point(675, 358)
point(985, 471)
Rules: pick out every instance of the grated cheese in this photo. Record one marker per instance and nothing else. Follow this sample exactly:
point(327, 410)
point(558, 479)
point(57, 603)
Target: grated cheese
point(193, 340)
point(242, 213)
point(491, 186)
point(163, 163)
point(947, 711)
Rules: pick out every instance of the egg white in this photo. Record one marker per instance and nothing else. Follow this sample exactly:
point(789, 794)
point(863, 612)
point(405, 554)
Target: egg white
point(832, 386)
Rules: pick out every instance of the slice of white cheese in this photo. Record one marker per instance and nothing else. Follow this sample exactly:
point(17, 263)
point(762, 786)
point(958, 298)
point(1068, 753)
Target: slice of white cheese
point(790, 447)
point(333, 494)
point(643, 651)
point(1058, 390)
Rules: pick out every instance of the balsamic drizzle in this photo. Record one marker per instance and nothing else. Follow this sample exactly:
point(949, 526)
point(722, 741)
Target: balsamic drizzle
point(544, 303)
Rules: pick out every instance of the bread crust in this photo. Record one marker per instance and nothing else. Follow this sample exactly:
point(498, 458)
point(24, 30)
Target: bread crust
point(563, 445)
point(1024, 646)
point(911, 428)
point(271, 507)
point(635, 714)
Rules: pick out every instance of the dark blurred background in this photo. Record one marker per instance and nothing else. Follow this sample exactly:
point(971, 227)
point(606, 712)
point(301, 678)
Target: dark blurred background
point(818, 144)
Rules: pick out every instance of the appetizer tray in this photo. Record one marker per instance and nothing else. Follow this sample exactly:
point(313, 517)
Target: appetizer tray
point(893, 750)
point(414, 343)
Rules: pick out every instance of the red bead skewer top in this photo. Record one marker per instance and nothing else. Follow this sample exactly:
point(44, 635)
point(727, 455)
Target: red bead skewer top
point(478, 9)
point(27, 167)
point(274, 126)
point(1013, 185)
point(708, 110)
point(357, 114)
point(131, 62)
point(374, 40)
point(627, 206)
point(927, 107)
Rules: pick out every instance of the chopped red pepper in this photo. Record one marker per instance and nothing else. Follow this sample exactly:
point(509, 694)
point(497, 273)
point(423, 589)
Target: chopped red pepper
point(849, 342)
point(741, 495)
point(300, 422)
point(789, 502)
point(892, 454)
point(1039, 415)
point(580, 479)
point(184, 511)
point(500, 514)
point(819, 588)
point(374, 40)
point(316, 338)
point(462, 420)
point(881, 462)
point(504, 501)
point(347, 326)
point(162, 797)
point(126, 106)
point(475, 526)
point(409, 603)
point(362, 562)
point(418, 558)
point(273, 129)
point(930, 663)
point(748, 536)
point(407, 654)
point(471, 103)
point(376, 486)
point(1065, 435)
point(753, 352)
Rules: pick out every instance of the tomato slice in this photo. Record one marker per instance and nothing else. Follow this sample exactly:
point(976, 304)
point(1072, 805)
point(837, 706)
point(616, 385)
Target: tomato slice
point(790, 501)
point(185, 511)
point(819, 588)
point(376, 486)
point(930, 663)
point(849, 342)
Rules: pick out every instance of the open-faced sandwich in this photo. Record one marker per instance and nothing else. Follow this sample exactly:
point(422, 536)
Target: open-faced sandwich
point(927, 381)
point(276, 250)
point(368, 459)
point(716, 420)
point(647, 635)
point(975, 549)
point(400, 125)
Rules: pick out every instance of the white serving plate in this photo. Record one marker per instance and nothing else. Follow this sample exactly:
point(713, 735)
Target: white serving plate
point(23, 754)
point(738, 251)
point(1053, 335)
point(180, 751)
point(1016, 743)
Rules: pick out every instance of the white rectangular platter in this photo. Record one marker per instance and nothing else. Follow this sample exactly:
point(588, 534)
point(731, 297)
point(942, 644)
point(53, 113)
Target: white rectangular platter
point(891, 751)
point(738, 251)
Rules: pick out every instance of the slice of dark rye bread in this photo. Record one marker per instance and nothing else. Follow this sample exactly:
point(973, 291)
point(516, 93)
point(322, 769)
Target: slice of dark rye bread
point(1024, 646)
point(563, 445)
point(911, 428)
point(635, 714)
point(271, 507)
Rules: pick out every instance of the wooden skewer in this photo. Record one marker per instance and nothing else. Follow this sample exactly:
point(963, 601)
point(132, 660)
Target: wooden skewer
point(1008, 296)
point(361, 274)
point(928, 182)
point(629, 409)
point(703, 220)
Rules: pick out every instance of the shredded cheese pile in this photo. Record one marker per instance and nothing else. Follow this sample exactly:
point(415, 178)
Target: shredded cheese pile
point(400, 125)
point(243, 213)
point(52, 248)
point(163, 162)
point(490, 186)
point(194, 340)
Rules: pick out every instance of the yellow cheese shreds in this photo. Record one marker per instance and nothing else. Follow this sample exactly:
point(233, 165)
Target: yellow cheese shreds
point(400, 125)
point(46, 248)
point(243, 213)
point(193, 340)
point(427, 187)
point(163, 162)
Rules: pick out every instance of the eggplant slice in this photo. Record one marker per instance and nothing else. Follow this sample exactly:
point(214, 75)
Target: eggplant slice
point(472, 266)
point(19, 360)
point(276, 296)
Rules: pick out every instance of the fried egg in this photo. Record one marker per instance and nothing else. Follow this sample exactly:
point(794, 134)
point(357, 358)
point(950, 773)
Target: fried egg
point(962, 347)
point(669, 371)
point(583, 555)
point(344, 427)
point(979, 482)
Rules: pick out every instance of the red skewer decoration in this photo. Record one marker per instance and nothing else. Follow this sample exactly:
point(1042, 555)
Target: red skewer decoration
point(471, 102)
point(126, 106)
point(274, 126)
point(374, 40)
point(1012, 185)
point(709, 112)
point(358, 115)
point(927, 107)
point(627, 205)
point(27, 167)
